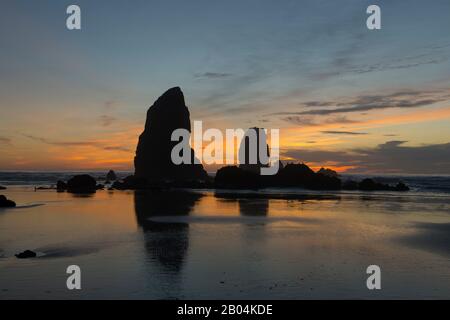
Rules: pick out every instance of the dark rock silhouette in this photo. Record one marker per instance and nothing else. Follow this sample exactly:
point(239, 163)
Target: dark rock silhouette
point(350, 185)
point(328, 172)
point(26, 254)
point(131, 182)
point(6, 203)
point(82, 183)
point(401, 187)
point(253, 162)
point(111, 176)
point(289, 176)
point(153, 154)
point(2, 188)
point(232, 177)
point(300, 175)
point(325, 182)
point(370, 185)
point(296, 176)
point(61, 186)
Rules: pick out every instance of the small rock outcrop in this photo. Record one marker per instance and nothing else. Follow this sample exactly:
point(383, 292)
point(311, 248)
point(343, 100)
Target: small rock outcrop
point(328, 172)
point(6, 203)
point(26, 254)
point(2, 188)
point(153, 154)
point(401, 187)
point(130, 182)
point(111, 176)
point(61, 186)
point(350, 185)
point(82, 183)
point(232, 177)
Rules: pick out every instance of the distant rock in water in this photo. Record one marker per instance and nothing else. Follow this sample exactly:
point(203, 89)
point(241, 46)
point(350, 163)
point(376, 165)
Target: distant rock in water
point(6, 203)
point(111, 176)
point(2, 188)
point(153, 154)
point(371, 185)
point(26, 254)
point(82, 183)
point(401, 187)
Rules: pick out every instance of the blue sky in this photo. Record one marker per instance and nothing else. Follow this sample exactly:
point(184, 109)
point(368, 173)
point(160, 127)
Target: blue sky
point(239, 63)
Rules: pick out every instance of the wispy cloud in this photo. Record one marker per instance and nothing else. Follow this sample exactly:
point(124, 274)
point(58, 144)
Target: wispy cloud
point(391, 156)
point(60, 143)
point(106, 120)
point(117, 148)
point(109, 104)
point(310, 121)
point(213, 75)
point(94, 144)
point(344, 132)
point(5, 140)
point(400, 99)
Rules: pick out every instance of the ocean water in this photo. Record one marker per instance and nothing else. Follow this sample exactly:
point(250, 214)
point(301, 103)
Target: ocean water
point(418, 183)
point(11, 178)
point(207, 244)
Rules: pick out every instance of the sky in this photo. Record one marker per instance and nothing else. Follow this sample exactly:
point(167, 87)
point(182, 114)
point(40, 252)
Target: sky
point(343, 96)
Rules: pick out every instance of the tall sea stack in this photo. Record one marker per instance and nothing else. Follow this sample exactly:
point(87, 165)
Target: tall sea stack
point(153, 154)
point(256, 136)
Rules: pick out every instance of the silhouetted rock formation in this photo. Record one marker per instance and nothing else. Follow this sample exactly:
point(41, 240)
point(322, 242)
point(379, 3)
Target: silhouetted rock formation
point(6, 203)
point(296, 176)
point(328, 172)
point(350, 185)
point(153, 154)
point(253, 161)
point(131, 182)
point(61, 186)
point(26, 254)
point(2, 188)
point(292, 176)
point(232, 177)
point(111, 176)
point(300, 175)
point(82, 183)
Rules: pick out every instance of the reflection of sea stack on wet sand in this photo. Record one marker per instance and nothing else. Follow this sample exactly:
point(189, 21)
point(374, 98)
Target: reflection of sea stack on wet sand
point(153, 155)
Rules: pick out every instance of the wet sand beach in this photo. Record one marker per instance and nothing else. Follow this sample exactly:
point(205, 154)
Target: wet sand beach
point(225, 245)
